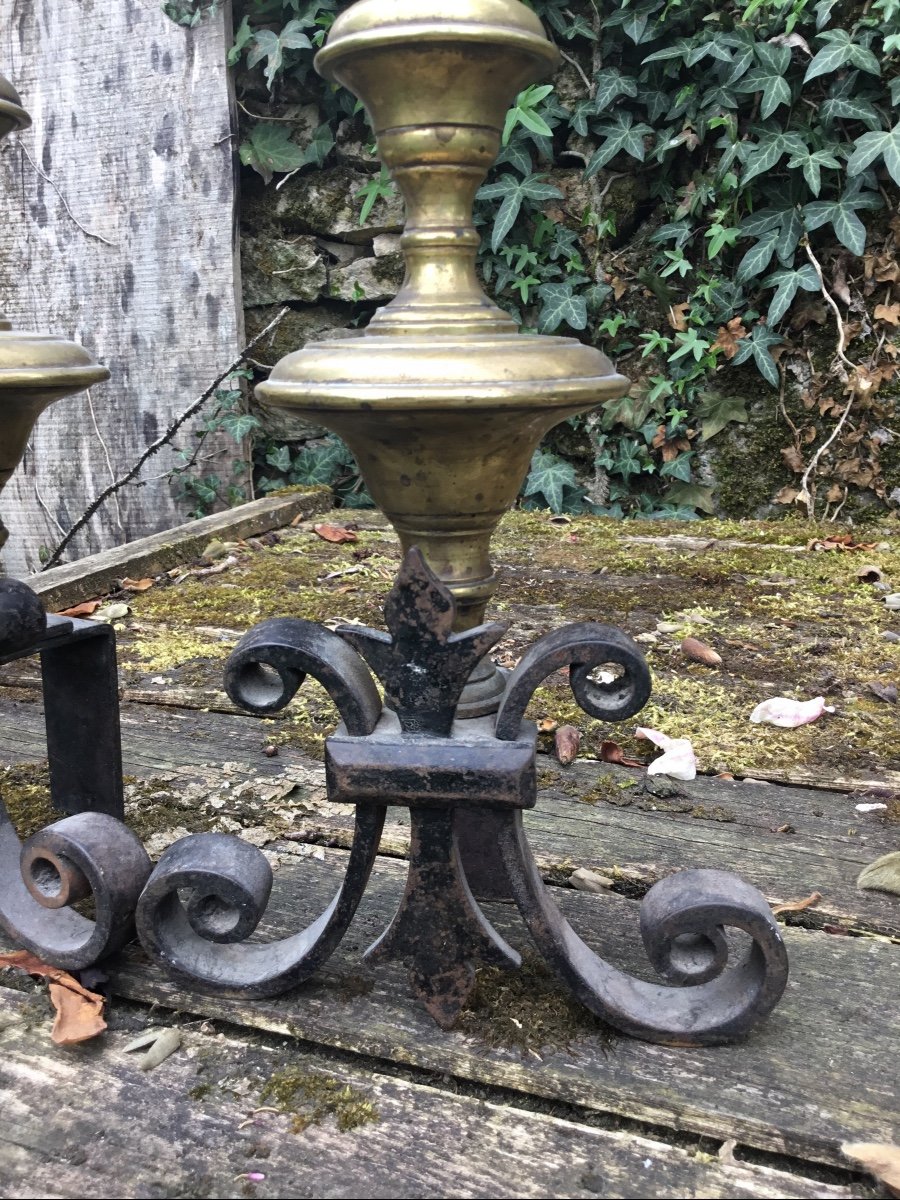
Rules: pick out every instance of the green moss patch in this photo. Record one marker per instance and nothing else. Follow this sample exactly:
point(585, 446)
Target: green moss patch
point(311, 1098)
point(527, 1010)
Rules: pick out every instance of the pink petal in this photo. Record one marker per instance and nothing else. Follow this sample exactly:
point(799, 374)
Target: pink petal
point(678, 760)
point(789, 714)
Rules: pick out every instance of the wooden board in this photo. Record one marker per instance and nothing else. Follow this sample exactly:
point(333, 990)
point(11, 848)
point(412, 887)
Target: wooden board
point(189, 1128)
point(86, 579)
point(809, 1078)
point(129, 250)
point(640, 838)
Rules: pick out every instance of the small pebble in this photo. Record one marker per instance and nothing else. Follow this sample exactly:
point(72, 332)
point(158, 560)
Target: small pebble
point(271, 752)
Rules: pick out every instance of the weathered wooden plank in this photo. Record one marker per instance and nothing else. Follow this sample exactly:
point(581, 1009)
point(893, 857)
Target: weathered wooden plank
point(812, 1076)
point(99, 573)
point(187, 1129)
point(118, 231)
point(625, 831)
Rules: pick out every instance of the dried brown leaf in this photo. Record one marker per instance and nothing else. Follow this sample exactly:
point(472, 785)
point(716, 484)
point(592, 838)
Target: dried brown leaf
point(730, 337)
point(84, 609)
point(678, 316)
point(137, 585)
point(880, 1159)
point(612, 752)
point(888, 313)
point(336, 534)
point(700, 652)
point(79, 1013)
point(790, 906)
point(568, 743)
point(794, 459)
point(787, 495)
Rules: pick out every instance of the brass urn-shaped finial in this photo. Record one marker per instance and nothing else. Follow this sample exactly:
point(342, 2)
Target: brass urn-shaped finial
point(442, 401)
point(35, 369)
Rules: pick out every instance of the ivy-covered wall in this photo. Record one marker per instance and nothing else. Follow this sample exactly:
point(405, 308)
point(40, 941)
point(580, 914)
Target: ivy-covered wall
point(707, 190)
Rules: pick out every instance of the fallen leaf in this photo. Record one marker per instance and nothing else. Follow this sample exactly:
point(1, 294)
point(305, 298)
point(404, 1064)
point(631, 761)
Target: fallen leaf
point(548, 725)
point(612, 752)
point(880, 1159)
point(889, 313)
point(787, 495)
point(165, 1045)
point(142, 1041)
point(701, 653)
point(584, 880)
point(789, 714)
point(137, 585)
point(797, 905)
point(79, 1013)
point(112, 612)
point(884, 691)
point(730, 337)
point(336, 534)
point(869, 574)
point(678, 316)
point(81, 610)
point(677, 760)
point(618, 286)
point(568, 742)
point(793, 459)
point(883, 875)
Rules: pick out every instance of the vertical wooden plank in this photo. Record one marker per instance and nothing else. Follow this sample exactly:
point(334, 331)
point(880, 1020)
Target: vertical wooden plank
point(130, 250)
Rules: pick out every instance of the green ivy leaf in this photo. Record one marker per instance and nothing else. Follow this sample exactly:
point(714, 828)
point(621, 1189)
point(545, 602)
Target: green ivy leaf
point(611, 84)
point(242, 37)
point(269, 149)
point(769, 150)
point(758, 348)
point(841, 213)
point(621, 135)
point(812, 162)
point(279, 457)
point(787, 283)
point(561, 305)
point(513, 193)
point(717, 412)
point(549, 477)
point(884, 145)
point(271, 46)
point(691, 495)
point(841, 51)
point(758, 257)
point(769, 78)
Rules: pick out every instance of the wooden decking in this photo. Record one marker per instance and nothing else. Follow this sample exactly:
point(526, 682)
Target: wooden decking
point(527, 1097)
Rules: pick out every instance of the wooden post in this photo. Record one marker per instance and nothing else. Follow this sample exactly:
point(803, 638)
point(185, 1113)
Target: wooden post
point(117, 231)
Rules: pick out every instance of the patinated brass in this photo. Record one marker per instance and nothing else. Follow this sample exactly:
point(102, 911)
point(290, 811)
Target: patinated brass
point(442, 401)
point(35, 369)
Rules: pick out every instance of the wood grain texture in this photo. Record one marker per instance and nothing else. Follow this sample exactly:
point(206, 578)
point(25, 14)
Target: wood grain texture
point(132, 124)
point(84, 580)
point(156, 1135)
point(813, 1075)
point(713, 823)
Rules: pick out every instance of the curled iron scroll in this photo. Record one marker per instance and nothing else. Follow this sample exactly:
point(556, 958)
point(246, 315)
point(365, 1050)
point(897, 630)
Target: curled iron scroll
point(582, 648)
point(209, 892)
point(683, 918)
point(268, 665)
point(86, 855)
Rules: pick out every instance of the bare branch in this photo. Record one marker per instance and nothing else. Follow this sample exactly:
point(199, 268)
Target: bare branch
point(160, 442)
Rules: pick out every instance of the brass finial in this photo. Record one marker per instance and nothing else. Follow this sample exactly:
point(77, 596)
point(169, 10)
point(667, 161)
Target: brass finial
point(442, 401)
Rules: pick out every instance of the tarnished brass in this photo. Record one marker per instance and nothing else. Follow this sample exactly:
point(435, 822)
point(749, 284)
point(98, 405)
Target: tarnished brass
point(35, 369)
point(442, 401)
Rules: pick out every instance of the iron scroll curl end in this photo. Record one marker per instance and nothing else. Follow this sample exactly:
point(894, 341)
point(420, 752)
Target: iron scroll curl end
point(90, 854)
point(203, 940)
point(705, 1000)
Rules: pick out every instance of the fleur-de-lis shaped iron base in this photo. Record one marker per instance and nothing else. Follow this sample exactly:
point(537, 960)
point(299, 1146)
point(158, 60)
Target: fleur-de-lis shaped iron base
point(466, 784)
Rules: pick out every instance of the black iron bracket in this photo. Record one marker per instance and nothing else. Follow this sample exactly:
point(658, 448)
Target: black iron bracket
point(91, 852)
point(466, 784)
